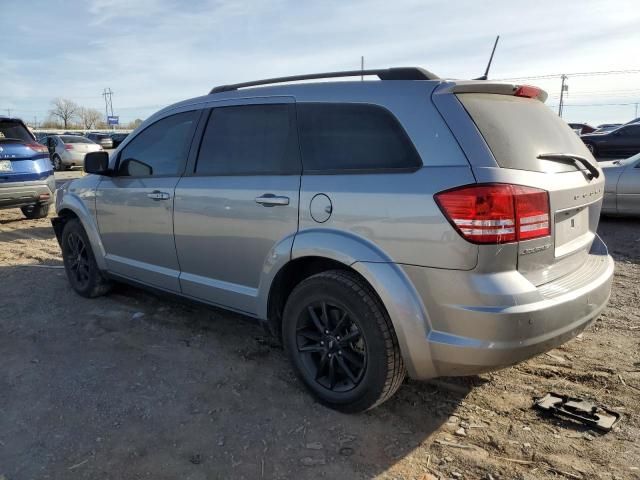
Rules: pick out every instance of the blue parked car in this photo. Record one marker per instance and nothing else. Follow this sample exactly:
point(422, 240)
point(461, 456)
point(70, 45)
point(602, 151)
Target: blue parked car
point(26, 172)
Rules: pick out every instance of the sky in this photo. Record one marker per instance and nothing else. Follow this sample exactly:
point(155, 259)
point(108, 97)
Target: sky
point(152, 53)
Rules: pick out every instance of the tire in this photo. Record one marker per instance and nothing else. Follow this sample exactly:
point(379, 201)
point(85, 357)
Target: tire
point(79, 262)
point(334, 319)
point(57, 163)
point(39, 210)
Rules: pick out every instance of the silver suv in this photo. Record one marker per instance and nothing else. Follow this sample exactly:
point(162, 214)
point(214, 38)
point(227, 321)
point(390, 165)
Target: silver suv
point(410, 224)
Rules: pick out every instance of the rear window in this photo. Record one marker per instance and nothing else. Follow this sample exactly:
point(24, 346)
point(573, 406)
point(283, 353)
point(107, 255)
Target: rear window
point(75, 139)
point(519, 129)
point(352, 137)
point(10, 129)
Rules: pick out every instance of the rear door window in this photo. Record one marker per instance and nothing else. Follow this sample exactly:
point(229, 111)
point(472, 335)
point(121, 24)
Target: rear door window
point(353, 137)
point(250, 140)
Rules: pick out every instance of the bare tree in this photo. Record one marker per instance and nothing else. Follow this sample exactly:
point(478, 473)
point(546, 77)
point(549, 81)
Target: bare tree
point(89, 117)
point(64, 109)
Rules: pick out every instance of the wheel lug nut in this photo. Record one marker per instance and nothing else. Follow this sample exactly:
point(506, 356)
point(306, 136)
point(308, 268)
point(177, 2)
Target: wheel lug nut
point(338, 337)
point(326, 332)
point(330, 355)
point(321, 343)
point(339, 352)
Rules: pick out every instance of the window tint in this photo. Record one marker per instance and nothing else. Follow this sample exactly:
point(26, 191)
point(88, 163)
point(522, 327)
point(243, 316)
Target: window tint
point(632, 131)
point(15, 130)
point(75, 139)
point(163, 146)
point(249, 139)
point(352, 137)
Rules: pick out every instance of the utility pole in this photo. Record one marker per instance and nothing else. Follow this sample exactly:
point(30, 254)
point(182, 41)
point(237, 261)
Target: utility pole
point(636, 115)
point(8, 112)
point(108, 104)
point(563, 88)
point(362, 68)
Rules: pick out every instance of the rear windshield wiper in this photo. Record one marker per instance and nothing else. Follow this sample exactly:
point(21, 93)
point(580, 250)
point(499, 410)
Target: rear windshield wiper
point(571, 158)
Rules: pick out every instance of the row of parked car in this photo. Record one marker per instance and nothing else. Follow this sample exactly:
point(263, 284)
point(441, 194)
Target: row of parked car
point(67, 150)
point(610, 139)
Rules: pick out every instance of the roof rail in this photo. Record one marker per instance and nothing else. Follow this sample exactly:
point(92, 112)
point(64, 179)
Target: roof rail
point(402, 73)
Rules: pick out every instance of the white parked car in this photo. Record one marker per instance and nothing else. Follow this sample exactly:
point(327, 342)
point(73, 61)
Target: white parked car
point(622, 186)
point(68, 151)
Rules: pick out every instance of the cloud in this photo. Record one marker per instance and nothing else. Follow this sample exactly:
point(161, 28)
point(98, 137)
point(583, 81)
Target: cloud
point(154, 52)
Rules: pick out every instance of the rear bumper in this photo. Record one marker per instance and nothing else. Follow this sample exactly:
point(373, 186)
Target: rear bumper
point(508, 320)
point(75, 159)
point(20, 194)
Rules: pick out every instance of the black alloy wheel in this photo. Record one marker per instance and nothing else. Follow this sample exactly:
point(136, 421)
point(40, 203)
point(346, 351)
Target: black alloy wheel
point(331, 346)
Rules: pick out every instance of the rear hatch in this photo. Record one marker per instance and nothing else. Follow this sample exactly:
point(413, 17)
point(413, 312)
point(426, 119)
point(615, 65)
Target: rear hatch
point(521, 141)
point(22, 159)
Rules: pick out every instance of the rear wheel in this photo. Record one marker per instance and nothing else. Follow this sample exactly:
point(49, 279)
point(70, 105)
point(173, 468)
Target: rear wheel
point(341, 343)
point(80, 263)
point(39, 210)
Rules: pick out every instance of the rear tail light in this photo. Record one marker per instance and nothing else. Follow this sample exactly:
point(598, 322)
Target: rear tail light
point(496, 213)
point(68, 146)
point(36, 147)
point(527, 91)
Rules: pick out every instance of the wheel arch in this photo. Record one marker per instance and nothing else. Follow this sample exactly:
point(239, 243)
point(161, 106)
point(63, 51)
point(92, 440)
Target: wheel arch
point(72, 207)
point(317, 251)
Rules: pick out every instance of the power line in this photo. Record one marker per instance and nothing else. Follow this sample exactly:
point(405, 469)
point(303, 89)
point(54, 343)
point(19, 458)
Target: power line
point(576, 74)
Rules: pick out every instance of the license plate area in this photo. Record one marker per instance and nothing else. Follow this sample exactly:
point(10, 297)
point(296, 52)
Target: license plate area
point(5, 166)
point(572, 230)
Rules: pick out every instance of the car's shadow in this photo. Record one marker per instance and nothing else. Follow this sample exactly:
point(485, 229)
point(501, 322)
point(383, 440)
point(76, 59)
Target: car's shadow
point(622, 236)
point(171, 389)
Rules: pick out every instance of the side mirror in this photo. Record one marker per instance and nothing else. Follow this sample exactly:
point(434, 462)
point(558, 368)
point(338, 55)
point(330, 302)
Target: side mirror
point(97, 163)
point(134, 168)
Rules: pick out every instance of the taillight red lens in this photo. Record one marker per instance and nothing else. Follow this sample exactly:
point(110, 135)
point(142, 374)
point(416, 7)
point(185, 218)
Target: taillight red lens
point(496, 213)
point(36, 147)
point(527, 91)
point(68, 146)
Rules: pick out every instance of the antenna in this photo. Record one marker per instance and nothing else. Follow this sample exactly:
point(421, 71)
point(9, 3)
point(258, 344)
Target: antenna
point(486, 72)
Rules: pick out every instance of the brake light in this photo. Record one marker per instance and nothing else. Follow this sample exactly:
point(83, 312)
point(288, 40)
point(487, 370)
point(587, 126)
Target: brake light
point(68, 146)
point(496, 213)
point(527, 91)
point(36, 147)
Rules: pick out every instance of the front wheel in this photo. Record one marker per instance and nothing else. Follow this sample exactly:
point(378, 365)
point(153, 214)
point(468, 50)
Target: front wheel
point(39, 210)
point(341, 343)
point(80, 264)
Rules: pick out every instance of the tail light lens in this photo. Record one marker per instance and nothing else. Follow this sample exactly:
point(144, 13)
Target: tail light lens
point(36, 147)
point(527, 91)
point(68, 146)
point(496, 213)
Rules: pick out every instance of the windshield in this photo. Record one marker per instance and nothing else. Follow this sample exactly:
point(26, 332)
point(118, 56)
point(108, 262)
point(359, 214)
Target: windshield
point(75, 139)
point(11, 129)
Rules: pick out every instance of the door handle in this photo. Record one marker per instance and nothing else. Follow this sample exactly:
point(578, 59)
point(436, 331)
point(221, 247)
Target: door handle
point(271, 200)
point(158, 195)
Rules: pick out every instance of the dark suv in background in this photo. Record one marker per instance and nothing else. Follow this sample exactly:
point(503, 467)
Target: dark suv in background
point(101, 139)
point(26, 173)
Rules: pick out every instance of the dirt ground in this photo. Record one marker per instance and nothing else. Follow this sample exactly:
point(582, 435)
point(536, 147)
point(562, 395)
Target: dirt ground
point(134, 386)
